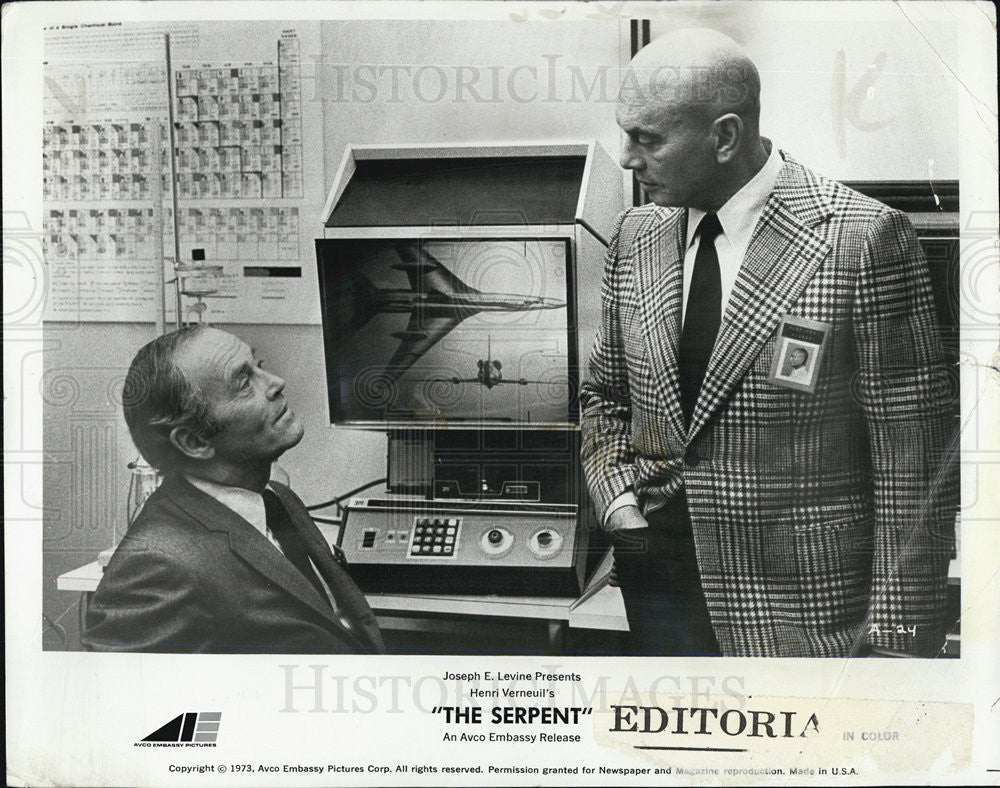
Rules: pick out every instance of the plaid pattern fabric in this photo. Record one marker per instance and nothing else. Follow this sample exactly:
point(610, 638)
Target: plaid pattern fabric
point(822, 521)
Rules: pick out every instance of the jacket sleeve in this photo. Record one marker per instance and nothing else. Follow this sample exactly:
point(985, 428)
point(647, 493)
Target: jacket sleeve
point(148, 601)
point(906, 392)
point(606, 451)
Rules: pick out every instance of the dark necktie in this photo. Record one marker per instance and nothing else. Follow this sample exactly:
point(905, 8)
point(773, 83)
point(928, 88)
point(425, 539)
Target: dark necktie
point(285, 534)
point(703, 315)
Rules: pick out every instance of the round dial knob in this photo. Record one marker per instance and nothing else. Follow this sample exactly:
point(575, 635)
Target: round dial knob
point(496, 542)
point(545, 544)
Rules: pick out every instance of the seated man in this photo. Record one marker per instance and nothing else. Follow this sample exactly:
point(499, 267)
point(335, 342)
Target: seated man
point(220, 560)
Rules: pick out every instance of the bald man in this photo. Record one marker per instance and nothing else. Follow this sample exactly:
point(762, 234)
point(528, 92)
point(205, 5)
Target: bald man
point(752, 514)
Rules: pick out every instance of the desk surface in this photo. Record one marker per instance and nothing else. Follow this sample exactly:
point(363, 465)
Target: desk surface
point(603, 610)
point(83, 579)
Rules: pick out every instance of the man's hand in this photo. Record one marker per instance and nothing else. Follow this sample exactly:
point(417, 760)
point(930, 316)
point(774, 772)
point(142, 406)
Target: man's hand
point(628, 535)
point(626, 518)
point(629, 531)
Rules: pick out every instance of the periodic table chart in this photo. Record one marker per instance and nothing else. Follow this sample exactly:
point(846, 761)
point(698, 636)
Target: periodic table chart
point(246, 199)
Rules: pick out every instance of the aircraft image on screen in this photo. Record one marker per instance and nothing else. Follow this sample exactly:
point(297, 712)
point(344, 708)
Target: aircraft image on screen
point(490, 373)
point(437, 302)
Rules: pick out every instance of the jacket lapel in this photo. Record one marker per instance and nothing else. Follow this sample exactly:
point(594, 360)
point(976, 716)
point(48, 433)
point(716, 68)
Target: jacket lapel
point(250, 545)
point(783, 255)
point(348, 596)
point(659, 285)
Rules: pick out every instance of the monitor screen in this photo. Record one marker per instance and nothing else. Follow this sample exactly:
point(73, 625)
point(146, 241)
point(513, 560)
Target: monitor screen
point(449, 332)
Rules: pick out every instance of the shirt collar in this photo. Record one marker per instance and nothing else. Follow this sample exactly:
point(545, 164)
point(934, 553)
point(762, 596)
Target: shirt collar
point(741, 212)
point(246, 503)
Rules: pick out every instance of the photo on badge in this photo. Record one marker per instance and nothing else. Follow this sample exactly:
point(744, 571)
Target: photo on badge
point(799, 353)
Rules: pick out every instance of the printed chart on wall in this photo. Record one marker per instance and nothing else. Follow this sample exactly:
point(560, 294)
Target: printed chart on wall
point(248, 167)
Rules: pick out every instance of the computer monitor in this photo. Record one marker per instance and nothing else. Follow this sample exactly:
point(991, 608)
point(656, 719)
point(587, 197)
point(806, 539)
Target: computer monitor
point(450, 332)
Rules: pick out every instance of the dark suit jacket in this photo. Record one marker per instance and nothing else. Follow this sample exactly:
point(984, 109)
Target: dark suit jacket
point(821, 521)
point(192, 576)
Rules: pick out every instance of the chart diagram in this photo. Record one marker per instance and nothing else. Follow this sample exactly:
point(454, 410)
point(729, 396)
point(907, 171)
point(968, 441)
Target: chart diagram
point(239, 172)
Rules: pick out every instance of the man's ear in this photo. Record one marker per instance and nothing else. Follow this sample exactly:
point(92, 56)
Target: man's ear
point(190, 444)
point(728, 137)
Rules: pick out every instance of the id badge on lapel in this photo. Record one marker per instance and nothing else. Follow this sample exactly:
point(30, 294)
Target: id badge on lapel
point(799, 353)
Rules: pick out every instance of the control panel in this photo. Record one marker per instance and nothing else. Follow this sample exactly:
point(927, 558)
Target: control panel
point(497, 547)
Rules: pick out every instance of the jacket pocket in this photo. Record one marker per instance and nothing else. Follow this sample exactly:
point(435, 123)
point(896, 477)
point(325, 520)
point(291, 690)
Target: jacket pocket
point(834, 565)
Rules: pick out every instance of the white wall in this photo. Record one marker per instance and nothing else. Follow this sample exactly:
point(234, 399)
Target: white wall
point(907, 122)
point(453, 81)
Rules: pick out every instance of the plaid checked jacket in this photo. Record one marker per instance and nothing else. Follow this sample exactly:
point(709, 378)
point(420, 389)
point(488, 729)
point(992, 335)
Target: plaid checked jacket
point(821, 521)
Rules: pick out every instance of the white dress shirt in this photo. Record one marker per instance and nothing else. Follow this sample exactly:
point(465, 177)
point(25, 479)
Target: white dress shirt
point(738, 217)
point(246, 503)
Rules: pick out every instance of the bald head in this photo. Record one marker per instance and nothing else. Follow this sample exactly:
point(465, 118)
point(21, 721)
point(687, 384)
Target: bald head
point(696, 70)
point(690, 109)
